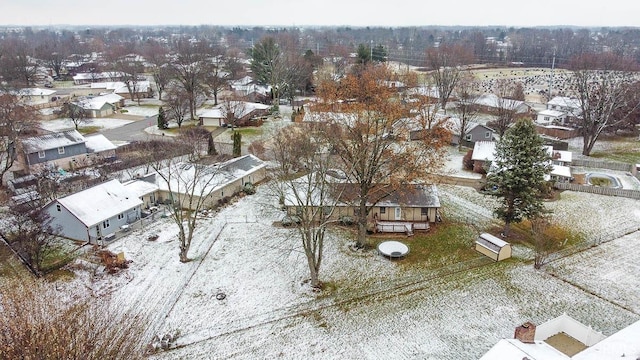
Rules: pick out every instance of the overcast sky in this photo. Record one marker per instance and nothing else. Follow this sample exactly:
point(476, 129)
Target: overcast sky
point(608, 13)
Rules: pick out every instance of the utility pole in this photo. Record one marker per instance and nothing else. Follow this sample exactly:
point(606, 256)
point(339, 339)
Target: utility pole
point(371, 50)
point(553, 65)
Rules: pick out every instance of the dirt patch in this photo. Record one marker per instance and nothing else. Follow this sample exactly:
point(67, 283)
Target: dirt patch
point(566, 344)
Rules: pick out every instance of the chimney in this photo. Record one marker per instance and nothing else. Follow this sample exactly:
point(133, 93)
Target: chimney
point(526, 333)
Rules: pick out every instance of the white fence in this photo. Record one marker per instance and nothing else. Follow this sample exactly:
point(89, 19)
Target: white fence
point(570, 326)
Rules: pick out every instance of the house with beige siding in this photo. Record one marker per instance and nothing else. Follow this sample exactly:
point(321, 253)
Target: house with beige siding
point(409, 208)
point(187, 184)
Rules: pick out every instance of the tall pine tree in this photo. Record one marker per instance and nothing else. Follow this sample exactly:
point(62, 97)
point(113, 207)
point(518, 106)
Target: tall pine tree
point(517, 175)
point(162, 119)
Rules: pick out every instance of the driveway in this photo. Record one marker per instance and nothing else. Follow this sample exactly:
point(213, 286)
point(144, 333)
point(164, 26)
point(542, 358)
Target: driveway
point(131, 132)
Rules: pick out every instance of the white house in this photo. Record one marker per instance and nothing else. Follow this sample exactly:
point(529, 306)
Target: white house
point(95, 214)
point(100, 106)
point(551, 117)
point(567, 105)
point(242, 111)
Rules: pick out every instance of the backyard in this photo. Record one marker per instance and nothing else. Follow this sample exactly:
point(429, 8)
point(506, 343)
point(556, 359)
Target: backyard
point(443, 301)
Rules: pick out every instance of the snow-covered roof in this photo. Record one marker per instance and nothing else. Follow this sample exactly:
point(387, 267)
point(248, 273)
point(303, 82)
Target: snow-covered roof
point(98, 102)
point(484, 150)
point(221, 175)
point(559, 155)
point(562, 171)
point(103, 201)
point(101, 75)
point(243, 107)
point(551, 113)
point(624, 343)
point(120, 87)
point(512, 349)
point(140, 187)
point(52, 141)
point(494, 101)
point(98, 143)
point(566, 102)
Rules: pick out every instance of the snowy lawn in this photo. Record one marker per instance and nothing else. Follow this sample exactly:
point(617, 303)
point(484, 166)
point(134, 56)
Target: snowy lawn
point(141, 110)
point(373, 308)
point(67, 124)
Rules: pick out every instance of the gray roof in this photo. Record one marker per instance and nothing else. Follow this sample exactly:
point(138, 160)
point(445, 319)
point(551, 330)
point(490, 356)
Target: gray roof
point(52, 141)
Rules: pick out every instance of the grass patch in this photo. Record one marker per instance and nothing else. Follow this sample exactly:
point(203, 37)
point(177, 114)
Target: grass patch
point(249, 131)
point(445, 243)
point(60, 275)
point(625, 150)
point(599, 181)
point(55, 259)
point(89, 129)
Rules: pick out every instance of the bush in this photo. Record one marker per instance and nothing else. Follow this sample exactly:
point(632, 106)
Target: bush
point(346, 220)
point(249, 189)
point(289, 220)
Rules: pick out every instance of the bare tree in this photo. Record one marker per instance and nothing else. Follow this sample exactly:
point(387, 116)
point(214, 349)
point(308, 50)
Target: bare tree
point(505, 106)
point(374, 162)
point(188, 181)
point(157, 54)
point(303, 150)
point(446, 64)
point(543, 244)
point(233, 110)
point(29, 231)
point(17, 67)
point(40, 322)
point(604, 83)
point(177, 101)
point(16, 119)
point(466, 108)
point(190, 68)
point(218, 77)
point(76, 114)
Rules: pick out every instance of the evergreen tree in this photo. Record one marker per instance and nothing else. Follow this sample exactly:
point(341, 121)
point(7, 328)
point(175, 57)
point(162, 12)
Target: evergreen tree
point(517, 174)
point(162, 119)
point(211, 146)
point(237, 144)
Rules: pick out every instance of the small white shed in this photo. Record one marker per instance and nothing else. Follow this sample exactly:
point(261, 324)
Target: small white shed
point(493, 247)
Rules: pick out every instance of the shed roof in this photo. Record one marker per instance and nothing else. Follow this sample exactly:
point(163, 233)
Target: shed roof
point(101, 202)
point(52, 141)
point(98, 143)
point(484, 151)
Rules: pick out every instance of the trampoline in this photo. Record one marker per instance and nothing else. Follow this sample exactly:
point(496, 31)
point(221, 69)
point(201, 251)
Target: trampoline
point(393, 249)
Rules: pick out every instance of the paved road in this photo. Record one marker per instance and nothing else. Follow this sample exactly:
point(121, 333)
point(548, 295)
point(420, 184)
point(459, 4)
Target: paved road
point(131, 132)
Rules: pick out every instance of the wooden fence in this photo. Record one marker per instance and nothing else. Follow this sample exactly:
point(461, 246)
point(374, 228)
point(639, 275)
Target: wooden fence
point(601, 164)
point(633, 194)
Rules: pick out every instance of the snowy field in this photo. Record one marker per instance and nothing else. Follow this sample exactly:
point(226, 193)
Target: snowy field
point(378, 309)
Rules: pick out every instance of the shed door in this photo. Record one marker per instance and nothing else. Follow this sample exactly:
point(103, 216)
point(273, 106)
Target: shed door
point(398, 214)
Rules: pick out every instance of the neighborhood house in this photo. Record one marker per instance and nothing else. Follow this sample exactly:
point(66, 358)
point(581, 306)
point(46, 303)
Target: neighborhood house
point(95, 214)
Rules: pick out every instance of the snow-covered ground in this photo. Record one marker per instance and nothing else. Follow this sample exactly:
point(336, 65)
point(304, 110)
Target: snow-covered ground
point(378, 309)
point(66, 124)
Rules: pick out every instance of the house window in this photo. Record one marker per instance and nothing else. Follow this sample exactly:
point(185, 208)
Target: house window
point(41, 154)
point(383, 210)
point(546, 118)
point(487, 135)
point(58, 208)
point(105, 224)
point(424, 211)
point(61, 150)
point(120, 216)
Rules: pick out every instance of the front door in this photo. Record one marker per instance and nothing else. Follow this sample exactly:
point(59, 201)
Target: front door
point(398, 214)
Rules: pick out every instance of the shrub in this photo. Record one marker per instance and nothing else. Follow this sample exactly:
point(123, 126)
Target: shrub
point(346, 220)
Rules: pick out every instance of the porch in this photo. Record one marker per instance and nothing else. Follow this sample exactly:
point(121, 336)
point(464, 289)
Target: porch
point(407, 227)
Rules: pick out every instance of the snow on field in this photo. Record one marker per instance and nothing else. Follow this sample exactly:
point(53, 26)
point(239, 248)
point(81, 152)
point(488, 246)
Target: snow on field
point(146, 110)
point(378, 309)
point(66, 124)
